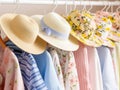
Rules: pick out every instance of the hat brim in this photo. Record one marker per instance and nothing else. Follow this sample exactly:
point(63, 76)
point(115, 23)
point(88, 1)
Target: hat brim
point(70, 44)
point(109, 43)
point(94, 43)
point(37, 47)
point(67, 45)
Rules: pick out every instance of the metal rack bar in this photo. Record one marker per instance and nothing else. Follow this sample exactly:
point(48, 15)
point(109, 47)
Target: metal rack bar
point(61, 2)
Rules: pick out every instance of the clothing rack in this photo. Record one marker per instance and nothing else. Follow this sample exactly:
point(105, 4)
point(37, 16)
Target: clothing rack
point(68, 2)
point(31, 7)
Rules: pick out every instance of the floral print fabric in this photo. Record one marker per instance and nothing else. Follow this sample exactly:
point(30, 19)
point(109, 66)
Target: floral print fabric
point(69, 70)
point(83, 27)
point(56, 62)
point(11, 78)
point(30, 73)
point(115, 32)
point(101, 28)
point(104, 26)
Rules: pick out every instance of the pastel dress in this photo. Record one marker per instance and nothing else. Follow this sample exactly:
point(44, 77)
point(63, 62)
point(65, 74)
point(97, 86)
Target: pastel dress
point(88, 68)
point(116, 58)
point(69, 70)
point(107, 68)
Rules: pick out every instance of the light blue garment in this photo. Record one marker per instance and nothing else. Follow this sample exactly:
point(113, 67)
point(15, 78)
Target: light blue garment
point(30, 72)
point(107, 69)
point(46, 67)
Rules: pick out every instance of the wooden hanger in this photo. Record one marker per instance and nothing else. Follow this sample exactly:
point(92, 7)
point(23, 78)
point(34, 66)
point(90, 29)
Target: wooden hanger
point(2, 44)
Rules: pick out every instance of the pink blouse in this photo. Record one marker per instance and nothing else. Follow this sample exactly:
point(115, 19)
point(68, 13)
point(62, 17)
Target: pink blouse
point(82, 63)
point(10, 75)
point(88, 68)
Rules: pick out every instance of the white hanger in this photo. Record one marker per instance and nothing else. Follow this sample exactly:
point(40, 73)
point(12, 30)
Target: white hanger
point(117, 10)
point(66, 7)
point(90, 6)
point(17, 5)
point(108, 7)
point(56, 4)
point(74, 4)
point(84, 7)
point(104, 6)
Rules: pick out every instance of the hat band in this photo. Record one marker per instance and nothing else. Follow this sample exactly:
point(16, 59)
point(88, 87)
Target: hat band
point(50, 32)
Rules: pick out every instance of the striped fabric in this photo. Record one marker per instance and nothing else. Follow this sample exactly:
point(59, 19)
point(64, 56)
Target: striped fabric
point(30, 72)
point(47, 70)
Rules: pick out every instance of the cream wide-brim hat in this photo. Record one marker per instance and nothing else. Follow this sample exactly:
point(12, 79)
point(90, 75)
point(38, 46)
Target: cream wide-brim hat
point(34, 47)
point(70, 44)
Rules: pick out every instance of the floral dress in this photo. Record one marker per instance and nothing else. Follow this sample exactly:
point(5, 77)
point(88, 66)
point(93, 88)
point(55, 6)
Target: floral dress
point(57, 65)
point(69, 70)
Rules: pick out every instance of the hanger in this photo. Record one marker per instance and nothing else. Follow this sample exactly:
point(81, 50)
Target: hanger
point(17, 6)
point(66, 7)
point(84, 8)
point(90, 6)
point(74, 5)
point(2, 44)
point(56, 4)
point(117, 10)
point(104, 6)
point(108, 7)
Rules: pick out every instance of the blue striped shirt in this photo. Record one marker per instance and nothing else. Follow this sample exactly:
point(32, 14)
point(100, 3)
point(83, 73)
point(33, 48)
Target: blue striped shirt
point(30, 72)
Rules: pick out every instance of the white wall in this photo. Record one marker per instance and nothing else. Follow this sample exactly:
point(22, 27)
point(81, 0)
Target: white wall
point(31, 9)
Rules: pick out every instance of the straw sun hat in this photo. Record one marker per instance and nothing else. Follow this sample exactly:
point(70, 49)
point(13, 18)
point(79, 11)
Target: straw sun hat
point(55, 30)
point(23, 32)
point(83, 27)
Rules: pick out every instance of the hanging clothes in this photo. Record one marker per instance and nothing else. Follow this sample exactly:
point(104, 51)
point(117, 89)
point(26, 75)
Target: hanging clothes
point(30, 72)
point(116, 58)
point(47, 70)
point(88, 68)
point(99, 82)
point(91, 64)
point(82, 67)
point(57, 66)
point(10, 75)
point(107, 69)
point(69, 70)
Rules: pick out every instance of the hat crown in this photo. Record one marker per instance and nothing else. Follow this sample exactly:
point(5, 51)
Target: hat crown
point(57, 23)
point(24, 27)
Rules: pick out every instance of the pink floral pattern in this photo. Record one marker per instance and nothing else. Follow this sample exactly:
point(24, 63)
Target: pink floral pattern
point(57, 66)
point(69, 70)
point(115, 32)
point(11, 78)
